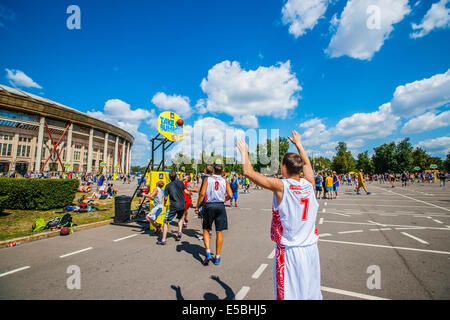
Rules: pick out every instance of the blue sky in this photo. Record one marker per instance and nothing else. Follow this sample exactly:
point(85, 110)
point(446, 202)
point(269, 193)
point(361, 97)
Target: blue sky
point(364, 72)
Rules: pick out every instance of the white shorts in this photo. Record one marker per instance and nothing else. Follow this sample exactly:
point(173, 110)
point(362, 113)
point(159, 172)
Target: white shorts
point(155, 212)
point(297, 273)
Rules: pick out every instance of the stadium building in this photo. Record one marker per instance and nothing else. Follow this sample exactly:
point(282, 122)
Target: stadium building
point(31, 127)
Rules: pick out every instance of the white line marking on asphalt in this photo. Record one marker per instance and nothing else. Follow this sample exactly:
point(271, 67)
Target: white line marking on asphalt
point(378, 224)
point(259, 271)
point(323, 210)
point(320, 220)
point(133, 235)
point(271, 255)
point(14, 271)
point(415, 238)
point(410, 228)
point(352, 294)
point(437, 221)
point(381, 229)
point(352, 231)
point(326, 203)
point(389, 225)
point(79, 251)
point(388, 247)
point(430, 204)
point(341, 214)
point(242, 293)
point(324, 235)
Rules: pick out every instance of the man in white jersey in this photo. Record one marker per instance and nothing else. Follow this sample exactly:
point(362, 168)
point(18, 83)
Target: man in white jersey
point(294, 212)
point(217, 191)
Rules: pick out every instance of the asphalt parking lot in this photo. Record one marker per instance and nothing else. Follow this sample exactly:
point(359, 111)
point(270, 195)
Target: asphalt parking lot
point(391, 244)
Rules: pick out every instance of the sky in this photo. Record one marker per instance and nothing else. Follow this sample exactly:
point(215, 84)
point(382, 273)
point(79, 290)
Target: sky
point(365, 72)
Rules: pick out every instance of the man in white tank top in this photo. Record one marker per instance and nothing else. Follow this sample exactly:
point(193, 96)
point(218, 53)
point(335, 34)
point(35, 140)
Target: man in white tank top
point(216, 190)
point(294, 212)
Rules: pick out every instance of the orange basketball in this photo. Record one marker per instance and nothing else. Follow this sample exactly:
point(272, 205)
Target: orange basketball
point(180, 122)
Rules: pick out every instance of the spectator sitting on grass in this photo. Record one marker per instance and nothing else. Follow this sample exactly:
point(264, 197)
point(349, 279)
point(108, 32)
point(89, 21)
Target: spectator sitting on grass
point(111, 190)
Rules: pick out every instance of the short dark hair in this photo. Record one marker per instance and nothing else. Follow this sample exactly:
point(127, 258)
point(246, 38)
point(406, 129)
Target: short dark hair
point(209, 169)
point(293, 162)
point(218, 168)
point(172, 175)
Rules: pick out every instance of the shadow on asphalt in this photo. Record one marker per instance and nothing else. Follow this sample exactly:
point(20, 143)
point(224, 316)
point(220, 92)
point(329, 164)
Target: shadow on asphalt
point(209, 295)
point(193, 249)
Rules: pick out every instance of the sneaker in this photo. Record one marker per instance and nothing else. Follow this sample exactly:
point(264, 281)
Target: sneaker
point(207, 259)
point(358, 193)
point(216, 261)
point(368, 192)
point(178, 238)
point(160, 242)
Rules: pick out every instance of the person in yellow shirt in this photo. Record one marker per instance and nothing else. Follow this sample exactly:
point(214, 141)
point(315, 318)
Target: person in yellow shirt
point(361, 184)
point(329, 186)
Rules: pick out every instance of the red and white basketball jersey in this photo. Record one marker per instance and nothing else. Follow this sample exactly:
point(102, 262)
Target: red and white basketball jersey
point(294, 219)
point(216, 189)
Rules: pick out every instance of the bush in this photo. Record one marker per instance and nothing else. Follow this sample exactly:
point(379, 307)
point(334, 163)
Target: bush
point(37, 194)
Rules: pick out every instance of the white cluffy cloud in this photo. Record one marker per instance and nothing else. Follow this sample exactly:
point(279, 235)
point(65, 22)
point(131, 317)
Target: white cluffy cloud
point(119, 113)
point(244, 95)
point(438, 17)
point(210, 135)
point(439, 145)
point(364, 25)
point(373, 125)
point(303, 15)
point(427, 121)
point(417, 97)
point(18, 78)
point(316, 133)
point(179, 104)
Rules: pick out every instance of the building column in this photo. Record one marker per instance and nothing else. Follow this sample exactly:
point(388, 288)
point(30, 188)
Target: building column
point(40, 141)
point(15, 145)
point(116, 154)
point(90, 147)
point(128, 158)
point(69, 147)
point(105, 152)
point(122, 161)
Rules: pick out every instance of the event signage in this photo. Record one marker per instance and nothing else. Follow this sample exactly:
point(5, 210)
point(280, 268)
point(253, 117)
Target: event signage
point(169, 126)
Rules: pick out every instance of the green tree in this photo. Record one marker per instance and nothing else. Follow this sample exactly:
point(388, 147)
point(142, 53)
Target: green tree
point(446, 163)
point(364, 162)
point(384, 158)
point(420, 159)
point(403, 156)
point(343, 161)
point(321, 163)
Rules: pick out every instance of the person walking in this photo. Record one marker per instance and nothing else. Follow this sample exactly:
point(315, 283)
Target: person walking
point(217, 191)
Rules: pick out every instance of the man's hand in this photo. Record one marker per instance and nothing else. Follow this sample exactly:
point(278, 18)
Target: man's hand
point(196, 210)
point(242, 146)
point(296, 138)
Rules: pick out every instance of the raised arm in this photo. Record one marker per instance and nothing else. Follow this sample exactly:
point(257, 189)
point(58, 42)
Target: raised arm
point(272, 184)
point(308, 172)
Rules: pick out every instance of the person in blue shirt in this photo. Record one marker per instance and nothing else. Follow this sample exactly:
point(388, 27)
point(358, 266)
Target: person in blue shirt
point(234, 184)
point(336, 181)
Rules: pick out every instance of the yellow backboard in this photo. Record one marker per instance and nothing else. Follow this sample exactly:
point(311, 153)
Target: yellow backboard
point(168, 127)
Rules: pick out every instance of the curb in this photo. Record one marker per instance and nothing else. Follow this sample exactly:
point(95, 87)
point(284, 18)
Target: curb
point(50, 234)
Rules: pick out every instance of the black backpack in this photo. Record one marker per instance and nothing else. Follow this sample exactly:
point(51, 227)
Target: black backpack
point(66, 220)
point(54, 223)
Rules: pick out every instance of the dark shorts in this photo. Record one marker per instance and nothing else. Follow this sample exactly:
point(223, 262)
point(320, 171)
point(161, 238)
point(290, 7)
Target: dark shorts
point(171, 214)
point(318, 188)
point(215, 213)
